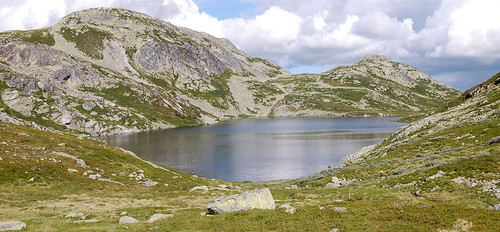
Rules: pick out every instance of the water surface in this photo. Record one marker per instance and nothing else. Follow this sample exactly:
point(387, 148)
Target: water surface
point(258, 149)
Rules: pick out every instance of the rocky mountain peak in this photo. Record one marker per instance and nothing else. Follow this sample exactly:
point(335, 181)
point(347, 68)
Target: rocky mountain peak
point(371, 59)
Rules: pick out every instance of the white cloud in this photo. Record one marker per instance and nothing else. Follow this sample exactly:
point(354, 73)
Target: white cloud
point(378, 25)
point(473, 31)
point(189, 16)
point(274, 32)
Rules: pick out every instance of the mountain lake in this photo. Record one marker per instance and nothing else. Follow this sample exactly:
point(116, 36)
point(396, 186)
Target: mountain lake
point(258, 149)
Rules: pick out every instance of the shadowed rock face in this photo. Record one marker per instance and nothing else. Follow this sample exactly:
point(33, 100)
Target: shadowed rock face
point(254, 199)
point(139, 73)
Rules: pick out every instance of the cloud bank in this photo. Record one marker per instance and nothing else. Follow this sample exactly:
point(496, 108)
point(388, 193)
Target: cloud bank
point(456, 41)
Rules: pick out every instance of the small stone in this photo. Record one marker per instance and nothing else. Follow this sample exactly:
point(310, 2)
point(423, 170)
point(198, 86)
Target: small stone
point(332, 185)
point(12, 225)
point(88, 105)
point(321, 208)
point(339, 209)
point(61, 144)
point(32, 179)
point(122, 174)
point(294, 187)
point(288, 207)
point(128, 220)
point(148, 182)
point(71, 170)
point(439, 174)
point(335, 230)
point(203, 187)
point(471, 184)
point(495, 207)
point(1, 158)
point(85, 221)
point(123, 213)
point(203, 214)
point(157, 217)
point(74, 215)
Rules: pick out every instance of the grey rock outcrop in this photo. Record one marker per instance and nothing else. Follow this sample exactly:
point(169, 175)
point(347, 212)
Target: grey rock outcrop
point(12, 225)
point(253, 199)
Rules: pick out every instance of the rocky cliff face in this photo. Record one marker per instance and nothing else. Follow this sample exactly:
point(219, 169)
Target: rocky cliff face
point(108, 71)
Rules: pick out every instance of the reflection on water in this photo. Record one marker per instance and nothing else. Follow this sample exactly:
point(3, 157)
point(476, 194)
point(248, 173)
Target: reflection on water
point(258, 149)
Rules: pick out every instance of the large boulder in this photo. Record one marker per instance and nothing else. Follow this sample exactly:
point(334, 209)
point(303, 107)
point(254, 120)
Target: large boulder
point(254, 199)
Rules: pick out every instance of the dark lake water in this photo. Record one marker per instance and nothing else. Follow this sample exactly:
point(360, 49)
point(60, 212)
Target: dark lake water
point(258, 149)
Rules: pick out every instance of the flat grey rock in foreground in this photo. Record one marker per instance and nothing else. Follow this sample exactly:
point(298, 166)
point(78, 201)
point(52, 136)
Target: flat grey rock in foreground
point(254, 199)
point(12, 225)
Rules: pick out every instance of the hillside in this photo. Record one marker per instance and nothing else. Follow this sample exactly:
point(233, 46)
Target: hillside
point(438, 173)
point(109, 71)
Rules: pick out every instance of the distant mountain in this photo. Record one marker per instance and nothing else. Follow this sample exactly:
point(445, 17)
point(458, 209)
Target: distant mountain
point(374, 85)
point(108, 71)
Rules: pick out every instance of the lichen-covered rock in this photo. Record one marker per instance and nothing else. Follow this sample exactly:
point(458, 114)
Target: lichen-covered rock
point(254, 199)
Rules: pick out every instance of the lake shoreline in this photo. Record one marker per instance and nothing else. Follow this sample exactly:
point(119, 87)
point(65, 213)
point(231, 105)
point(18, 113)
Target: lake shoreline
point(283, 141)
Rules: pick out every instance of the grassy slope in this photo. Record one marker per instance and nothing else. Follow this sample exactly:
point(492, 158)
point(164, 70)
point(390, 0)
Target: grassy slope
point(44, 202)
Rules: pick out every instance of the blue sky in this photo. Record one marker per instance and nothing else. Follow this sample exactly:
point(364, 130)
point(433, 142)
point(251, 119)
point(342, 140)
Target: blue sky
point(227, 9)
point(454, 41)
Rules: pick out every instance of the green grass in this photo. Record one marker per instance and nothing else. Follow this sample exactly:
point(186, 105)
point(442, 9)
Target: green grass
point(221, 97)
point(88, 40)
